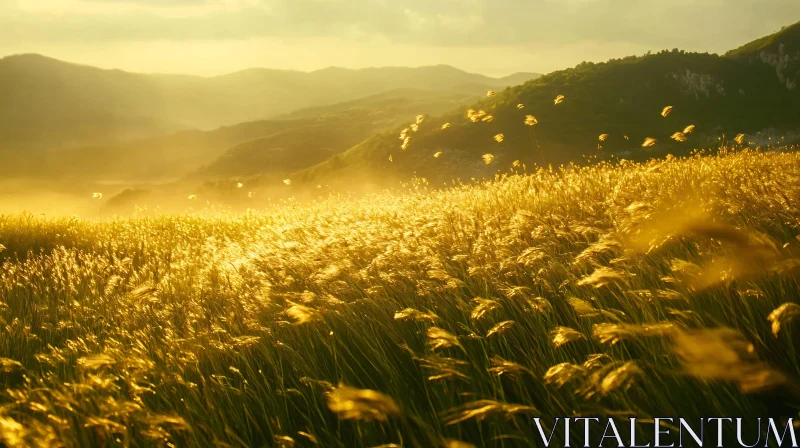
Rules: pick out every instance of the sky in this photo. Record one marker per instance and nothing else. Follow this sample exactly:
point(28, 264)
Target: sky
point(493, 37)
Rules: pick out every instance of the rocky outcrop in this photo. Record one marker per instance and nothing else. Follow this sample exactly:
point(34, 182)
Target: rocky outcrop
point(698, 84)
point(785, 63)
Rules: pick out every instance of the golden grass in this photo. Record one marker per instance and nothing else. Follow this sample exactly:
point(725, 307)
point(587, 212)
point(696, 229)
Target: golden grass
point(426, 318)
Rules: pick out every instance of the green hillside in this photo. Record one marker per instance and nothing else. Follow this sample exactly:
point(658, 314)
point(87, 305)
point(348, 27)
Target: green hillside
point(622, 97)
point(46, 103)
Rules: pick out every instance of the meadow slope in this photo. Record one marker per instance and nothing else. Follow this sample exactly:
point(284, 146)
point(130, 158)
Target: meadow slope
point(425, 318)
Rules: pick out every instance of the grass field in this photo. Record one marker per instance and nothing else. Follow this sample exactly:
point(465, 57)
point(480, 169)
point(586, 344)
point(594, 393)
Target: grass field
point(426, 318)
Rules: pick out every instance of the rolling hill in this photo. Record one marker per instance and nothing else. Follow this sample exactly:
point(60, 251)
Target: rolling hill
point(50, 104)
point(284, 144)
point(316, 134)
point(741, 92)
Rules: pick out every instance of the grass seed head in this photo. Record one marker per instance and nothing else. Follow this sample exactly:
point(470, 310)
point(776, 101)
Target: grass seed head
point(483, 306)
point(411, 313)
point(480, 409)
point(500, 328)
point(616, 332)
point(302, 314)
point(350, 403)
point(782, 315)
point(564, 335)
point(678, 136)
point(439, 338)
point(502, 366)
point(452, 443)
point(603, 277)
point(8, 365)
point(443, 368)
point(621, 377)
point(724, 354)
point(96, 362)
point(564, 373)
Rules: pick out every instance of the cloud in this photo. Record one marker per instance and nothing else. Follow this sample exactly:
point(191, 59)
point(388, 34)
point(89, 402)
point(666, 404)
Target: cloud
point(678, 23)
point(166, 3)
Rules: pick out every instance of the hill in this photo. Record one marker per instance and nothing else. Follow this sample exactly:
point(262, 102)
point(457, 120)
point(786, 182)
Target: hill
point(47, 103)
point(623, 98)
point(316, 134)
point(286, 143)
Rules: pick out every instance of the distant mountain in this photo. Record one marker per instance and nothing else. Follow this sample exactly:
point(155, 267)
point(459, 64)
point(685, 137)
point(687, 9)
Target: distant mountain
point(743, 92)
point(284, 144)
point(50, 104)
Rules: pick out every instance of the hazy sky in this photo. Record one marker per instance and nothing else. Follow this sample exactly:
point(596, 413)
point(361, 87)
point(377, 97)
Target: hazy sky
point(495, 37)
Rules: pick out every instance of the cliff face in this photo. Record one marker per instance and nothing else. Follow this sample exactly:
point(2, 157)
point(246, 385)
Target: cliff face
point(781, 51)
point(698, 84)
point(787, 65)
